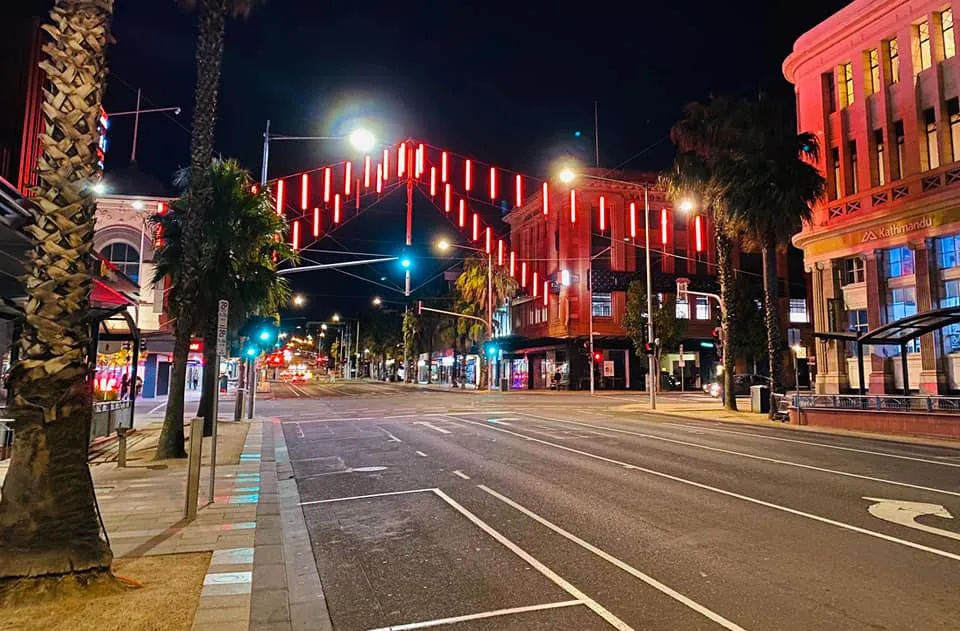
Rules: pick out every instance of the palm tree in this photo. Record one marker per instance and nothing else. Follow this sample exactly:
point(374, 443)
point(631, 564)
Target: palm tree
point(209, 55)
point(49, 529)
point(772, 185)
point(241, 249)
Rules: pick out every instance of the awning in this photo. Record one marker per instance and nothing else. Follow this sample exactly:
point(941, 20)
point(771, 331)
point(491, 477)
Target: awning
point(912, 327)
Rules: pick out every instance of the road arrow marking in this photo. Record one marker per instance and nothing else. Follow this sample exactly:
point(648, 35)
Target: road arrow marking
point(433, 427)
point(906, 513)
point(501, 421)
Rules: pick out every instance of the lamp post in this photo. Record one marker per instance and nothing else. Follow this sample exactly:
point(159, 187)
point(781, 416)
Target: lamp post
point(567, 176)
point(361, 139)
point(136, 112)
point(590, 302)
point(444, 245)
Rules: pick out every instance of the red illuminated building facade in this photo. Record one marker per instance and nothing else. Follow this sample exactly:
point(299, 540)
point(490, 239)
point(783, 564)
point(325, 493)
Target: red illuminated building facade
point(550, 338)
point(879, 83)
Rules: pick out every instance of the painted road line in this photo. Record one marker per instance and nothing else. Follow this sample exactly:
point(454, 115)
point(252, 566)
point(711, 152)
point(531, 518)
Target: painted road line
point(334, 419)
point(364, 497)
point(433, 427)
point(478, 616)
point(906, 513)
point(739, 496)
point(299, 430)
point(752, 456)
point(596, 607)
point(421, 454)
point(461, 474)
point(390, 436)
point(159, 407)
point(629, 569)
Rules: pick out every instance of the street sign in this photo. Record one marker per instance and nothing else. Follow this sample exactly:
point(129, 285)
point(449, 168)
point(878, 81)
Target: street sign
point(223, 310)
point(608, 369)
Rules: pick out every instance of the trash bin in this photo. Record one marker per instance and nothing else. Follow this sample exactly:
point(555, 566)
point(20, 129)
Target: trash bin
point(504, 384)
point(760, 399)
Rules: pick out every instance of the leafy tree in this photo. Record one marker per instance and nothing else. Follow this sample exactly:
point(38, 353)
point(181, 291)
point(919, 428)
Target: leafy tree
point(241, 251)
point(669, 329)
point(335, 353)
point(209, 55)
point(49, 531)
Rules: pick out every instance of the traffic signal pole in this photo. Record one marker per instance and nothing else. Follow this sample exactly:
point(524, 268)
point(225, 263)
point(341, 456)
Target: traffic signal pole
point(410, 169)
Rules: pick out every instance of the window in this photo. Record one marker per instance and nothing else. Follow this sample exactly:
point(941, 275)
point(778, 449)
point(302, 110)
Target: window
point(953, 113)
point(852, 271)
point(923, 45)
point(899, 262)
point(951, 333)
point(680, 261)
point(854, 180)
point(845, 73)
point(946, 27)
point(798, 310)
point(901, 302)
point(948, 251)
point(602, 306)
point(835, 160)
point(878, 157)
point(858, 321)
point(125, 257)
point(702, 308)
point(893, 55)
point(683, 310)
point(873, 64)
point(930, 144)
point(830, 87)
point(896, 171)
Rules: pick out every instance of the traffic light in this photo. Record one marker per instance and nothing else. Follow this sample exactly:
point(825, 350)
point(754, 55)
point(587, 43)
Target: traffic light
point(252, 351)
point(648, 348)
point(491, 349)
point(405, 262)
point(597, 357)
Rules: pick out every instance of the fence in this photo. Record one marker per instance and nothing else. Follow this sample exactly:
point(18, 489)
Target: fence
point(877, 402)
point(108, 416)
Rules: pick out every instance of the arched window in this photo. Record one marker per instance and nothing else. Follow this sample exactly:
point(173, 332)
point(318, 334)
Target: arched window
point(125, 257)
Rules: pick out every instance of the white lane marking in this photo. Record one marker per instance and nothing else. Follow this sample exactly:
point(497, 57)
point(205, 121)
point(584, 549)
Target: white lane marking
point(420, 453)
point(753, 456)
point(629, 569)
point(501, 421)
point(478, 616)
point(433, 427)
point(596, 607)
point(159, 407)
point(336, 419)
point(293, 390)
point(739, 496)
point(391, 436)
point(461, 474)
point(299, 430)
point(905, 514)
point(364, 497)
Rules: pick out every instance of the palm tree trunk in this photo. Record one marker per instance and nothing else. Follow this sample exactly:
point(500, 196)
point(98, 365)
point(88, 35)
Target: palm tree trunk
point(211, 374)
point(771, 315)
point(729, 316)
point(170, 443)
point(48, 519)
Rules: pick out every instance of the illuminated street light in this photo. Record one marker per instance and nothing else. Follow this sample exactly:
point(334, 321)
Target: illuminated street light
point(362, 139)
point(99, 188)
point(323, 327)
point(443, 245)
point(567, 175)
point(299, 300)
point(336, 317)
point(377, 301)
point(686, 206)
point(137, 204)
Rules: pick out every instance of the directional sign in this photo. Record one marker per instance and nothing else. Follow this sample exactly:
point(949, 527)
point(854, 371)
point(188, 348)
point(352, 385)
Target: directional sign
point(223, 311)
point(906, 513)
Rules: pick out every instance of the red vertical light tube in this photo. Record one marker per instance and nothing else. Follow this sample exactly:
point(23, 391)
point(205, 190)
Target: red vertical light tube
point(357, 188)
point(379, 179)
point(433, 181)
point(698, 229)
point(546, 199)
point(523, 274)
point(326, 185)
point(347, 178)
point(296, 235)
point(519, 191)
point(420, 160)
point(402, 159)
point(279, 197)
point(468, 172)
point(513, 264)
point(500, 252)
point(462, 220)
point(443, 166)
point(663, 226)
point(447, 197)
point(573, 206)
point(336, 208)
point(386, 165)
point(633, 220)
point(603, 213)
point(493, 183)
point(476, 226)
point(489, 247)
point(366, 171)
point(316, 222)
point(546, 293)
point(304, 183)
point(536, 286)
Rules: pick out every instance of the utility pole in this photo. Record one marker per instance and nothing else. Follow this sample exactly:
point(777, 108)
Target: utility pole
point(410, 168)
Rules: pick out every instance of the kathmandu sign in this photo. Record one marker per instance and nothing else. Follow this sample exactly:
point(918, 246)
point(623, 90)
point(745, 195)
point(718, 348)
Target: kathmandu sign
point(897, 228)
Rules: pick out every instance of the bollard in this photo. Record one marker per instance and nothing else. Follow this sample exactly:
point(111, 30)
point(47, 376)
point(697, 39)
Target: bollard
point(238, 405)
point(121, 447)
point(193, 468)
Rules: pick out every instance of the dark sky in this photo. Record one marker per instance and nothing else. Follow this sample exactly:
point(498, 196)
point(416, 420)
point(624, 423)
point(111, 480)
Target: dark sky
point(506, 82)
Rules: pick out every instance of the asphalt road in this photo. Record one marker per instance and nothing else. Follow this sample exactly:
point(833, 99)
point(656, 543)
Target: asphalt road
point(560, 511)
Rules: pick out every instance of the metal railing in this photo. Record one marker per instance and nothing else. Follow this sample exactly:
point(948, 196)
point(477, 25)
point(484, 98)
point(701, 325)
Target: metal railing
point(876, 402)
point(108, 416)
point(6, 434)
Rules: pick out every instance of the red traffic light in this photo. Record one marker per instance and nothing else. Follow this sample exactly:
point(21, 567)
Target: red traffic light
point(597, 357)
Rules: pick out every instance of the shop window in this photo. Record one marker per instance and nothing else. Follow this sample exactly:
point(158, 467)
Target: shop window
point(125, 258)
point(702, 308)
point(899, 262)
point(683, 310)
point(893, 56)
point(798, 310)
point(951, 333)
point(852, 270)
point(602, 306)
point(948, 251)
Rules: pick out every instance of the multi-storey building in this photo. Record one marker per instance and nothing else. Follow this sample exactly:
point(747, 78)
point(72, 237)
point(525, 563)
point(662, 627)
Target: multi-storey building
point(551, 340)
point(879, 84)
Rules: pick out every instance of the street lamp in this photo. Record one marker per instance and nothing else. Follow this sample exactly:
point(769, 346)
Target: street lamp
point(567, 175)
point(796, 370)
point(377, 301)
point(444, 245)
point(323, 327)
point(360, 138)
point(299, 300)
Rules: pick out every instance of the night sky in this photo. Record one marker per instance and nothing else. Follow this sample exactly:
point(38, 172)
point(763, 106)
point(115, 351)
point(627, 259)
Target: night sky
point(505, 82)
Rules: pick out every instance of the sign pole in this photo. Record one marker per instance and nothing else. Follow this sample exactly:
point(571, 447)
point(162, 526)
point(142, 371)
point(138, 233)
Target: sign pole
point(223, 310)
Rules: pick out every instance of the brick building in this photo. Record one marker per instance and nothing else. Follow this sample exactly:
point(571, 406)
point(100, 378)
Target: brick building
point(879, 83)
